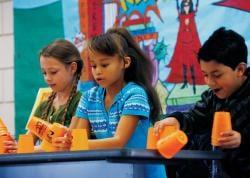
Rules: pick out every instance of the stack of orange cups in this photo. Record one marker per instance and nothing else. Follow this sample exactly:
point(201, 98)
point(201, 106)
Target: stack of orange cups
point(221, 123)
point(169, 142)
point(56, 130)
point(168, 130)
point(152, 139)
point(80, 140)
point(25, 144)
point(4, 136)
point(38, 127)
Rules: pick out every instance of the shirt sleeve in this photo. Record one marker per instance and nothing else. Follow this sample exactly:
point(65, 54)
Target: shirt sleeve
point(82, 108)
point(136, 103)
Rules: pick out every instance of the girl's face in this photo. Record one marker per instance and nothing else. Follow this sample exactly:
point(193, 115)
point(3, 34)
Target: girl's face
point(57, 75)
point(186, 7)
point(108, 71)
point(223, 80)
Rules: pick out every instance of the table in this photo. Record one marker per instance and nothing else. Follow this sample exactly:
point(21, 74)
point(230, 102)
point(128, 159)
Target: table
point(117, 163)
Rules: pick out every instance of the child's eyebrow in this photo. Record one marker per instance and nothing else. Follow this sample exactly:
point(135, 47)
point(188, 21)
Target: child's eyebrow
point(211, 72)
point(105, 59)
point(101, 59)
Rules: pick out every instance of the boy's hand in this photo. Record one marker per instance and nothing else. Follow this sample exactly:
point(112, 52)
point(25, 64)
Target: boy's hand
point(230, 139)
point(159, 125)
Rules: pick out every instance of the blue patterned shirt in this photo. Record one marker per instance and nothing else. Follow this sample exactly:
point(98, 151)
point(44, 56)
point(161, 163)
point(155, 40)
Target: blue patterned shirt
point(131, 100)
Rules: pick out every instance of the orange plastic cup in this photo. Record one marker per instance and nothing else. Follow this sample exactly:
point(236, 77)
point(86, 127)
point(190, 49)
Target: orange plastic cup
point(221, 123)
point(152, 139)
point(39, 127)
point(55, 130)
point(25, 144)
point(172, 144)
point(169, 129)
point(80, 140)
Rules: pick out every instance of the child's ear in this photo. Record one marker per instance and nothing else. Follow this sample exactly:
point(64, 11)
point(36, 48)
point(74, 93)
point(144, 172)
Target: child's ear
point(73, 67)
point(241, 69)
point(127, 62)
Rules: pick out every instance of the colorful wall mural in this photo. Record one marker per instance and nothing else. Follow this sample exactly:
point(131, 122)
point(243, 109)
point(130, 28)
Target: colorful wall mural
point(169, 31)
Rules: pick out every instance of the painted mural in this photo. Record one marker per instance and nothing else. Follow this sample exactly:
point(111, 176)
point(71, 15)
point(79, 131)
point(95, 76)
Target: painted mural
point(169, 31)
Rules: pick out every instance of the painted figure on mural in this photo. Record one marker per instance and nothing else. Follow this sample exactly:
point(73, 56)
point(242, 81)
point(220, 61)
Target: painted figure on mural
point(184, 65)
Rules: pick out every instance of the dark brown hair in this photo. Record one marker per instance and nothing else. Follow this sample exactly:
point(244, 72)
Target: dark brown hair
point(141, 70)
point(66, 53)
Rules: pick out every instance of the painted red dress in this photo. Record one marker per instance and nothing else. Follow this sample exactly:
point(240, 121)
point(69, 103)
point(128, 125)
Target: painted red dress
point(185, 53)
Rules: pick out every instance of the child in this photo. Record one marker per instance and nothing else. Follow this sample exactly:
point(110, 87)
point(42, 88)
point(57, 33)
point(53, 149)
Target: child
point(117, 111)
point(223, 61)
point(61, 66)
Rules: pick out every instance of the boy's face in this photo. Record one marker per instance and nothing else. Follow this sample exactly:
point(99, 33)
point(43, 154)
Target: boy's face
point(223, 80)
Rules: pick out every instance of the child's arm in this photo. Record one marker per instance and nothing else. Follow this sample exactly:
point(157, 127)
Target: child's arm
point(124, 131)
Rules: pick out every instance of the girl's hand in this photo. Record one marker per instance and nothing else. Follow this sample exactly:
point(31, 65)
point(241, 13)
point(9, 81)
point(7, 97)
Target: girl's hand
point(62, 143)
point(159, 125)
point(10, 146)
point(230, 139)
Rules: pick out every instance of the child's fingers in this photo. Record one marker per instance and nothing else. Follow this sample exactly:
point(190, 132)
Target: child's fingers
point(224, 139)
point(68, 134)
point(62, 146)
point(12, 151)
point(158, 127)
point(227, 134)
point(61, 143)
point(59, 140)
point(6, 142)
point(229, 144)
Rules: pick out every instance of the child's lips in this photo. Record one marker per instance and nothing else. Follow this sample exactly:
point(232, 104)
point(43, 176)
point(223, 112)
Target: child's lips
point(99, 79)
point(51, 85)
point(216, 90)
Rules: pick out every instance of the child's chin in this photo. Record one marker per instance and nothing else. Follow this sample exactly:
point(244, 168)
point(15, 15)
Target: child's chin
point(220, 96)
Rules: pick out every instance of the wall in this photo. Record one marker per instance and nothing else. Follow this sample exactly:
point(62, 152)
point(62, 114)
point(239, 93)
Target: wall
point(7, 112)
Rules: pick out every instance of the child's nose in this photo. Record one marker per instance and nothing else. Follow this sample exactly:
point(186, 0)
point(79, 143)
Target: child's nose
point(98, 70)
point(47, 78)
point(210, 81)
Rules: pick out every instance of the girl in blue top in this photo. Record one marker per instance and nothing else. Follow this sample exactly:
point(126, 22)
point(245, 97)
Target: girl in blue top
point(117, 111)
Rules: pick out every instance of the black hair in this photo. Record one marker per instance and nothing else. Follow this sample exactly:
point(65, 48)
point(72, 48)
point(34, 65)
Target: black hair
point(187, 3)
point(118, 41)
point(224, 46)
